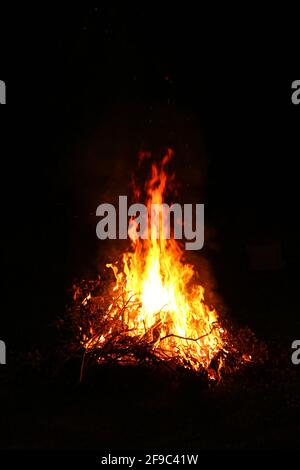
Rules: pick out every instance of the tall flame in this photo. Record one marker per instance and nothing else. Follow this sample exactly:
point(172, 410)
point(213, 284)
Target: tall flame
point(164, 301)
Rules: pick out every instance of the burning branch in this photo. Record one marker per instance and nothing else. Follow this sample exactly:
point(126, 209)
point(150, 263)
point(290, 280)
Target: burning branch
point(155, 311)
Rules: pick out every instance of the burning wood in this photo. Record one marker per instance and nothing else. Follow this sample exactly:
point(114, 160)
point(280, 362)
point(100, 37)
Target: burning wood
point(154, 311)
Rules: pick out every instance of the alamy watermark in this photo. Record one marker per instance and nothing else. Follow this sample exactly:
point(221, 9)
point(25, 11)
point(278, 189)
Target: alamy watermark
point(296, 92)
point(296, 352)
point(2, 353)
point(2, 92)
point(136, 222)
point(2, 343)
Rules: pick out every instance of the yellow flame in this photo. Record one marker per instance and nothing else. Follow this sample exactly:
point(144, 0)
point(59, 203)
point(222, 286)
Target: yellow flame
point(164, 300)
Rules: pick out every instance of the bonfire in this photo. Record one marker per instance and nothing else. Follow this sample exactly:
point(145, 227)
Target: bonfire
point(152, 310)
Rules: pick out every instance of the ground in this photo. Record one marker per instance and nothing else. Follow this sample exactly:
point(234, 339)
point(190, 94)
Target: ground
point(137, 409)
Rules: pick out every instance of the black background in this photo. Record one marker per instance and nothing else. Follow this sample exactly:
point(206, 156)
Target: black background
point(86, 90)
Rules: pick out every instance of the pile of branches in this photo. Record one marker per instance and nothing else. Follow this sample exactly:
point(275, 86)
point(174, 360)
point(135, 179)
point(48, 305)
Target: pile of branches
point(99, 333)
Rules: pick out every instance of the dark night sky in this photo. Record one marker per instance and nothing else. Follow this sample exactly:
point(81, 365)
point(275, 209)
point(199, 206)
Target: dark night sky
point(87, 88)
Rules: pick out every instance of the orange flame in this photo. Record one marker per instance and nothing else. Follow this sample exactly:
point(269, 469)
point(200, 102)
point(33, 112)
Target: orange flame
point(163, 300)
